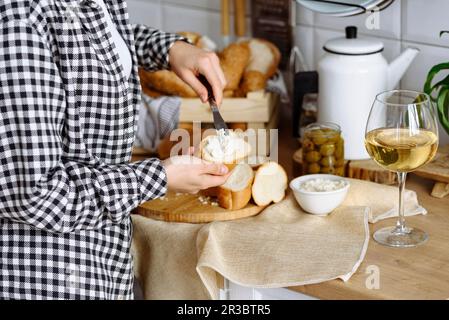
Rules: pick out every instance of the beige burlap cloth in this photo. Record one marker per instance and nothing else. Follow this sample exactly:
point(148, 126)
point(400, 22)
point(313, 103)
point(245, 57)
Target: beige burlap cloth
point(282, 246)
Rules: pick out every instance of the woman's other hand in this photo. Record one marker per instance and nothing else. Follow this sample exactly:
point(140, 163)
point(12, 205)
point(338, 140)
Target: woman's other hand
point(188, 61)
point(188, 174)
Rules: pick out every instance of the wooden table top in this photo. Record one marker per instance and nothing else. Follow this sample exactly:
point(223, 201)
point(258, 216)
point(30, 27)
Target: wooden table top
point(411, 273)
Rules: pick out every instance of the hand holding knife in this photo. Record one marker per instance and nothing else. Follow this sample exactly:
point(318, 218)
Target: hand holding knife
point(219, 123)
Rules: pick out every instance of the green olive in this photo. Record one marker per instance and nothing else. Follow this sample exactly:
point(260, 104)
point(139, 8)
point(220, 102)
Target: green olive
point(319, 140)
point(317, 136)
point(308, 145)
point(328, 170)
point(339, 149)
point(340, 171)
point(328, 161)
point(313, 156)
point(327, 149)
point(313, 168)
point(333, 137)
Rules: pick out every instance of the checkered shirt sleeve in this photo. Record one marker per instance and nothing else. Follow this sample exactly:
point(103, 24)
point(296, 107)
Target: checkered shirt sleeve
point(39, 184)
point(152, 47)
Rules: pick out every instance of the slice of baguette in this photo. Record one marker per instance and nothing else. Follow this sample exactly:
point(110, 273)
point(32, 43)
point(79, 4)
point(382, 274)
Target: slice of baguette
point(270, 183)
point(230, 160)
point(236, 192)
point(255, 161)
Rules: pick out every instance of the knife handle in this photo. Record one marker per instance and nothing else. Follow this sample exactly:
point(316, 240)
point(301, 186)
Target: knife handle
point(210, 91)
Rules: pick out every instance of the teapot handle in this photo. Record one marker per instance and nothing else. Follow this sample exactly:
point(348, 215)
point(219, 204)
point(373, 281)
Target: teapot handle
point(304, 82)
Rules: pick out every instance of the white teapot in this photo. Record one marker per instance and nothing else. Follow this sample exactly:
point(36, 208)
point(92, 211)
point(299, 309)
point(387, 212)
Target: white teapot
point(351, 73)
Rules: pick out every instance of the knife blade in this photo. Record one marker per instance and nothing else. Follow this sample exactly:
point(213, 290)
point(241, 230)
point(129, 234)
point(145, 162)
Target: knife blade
point(219, 123)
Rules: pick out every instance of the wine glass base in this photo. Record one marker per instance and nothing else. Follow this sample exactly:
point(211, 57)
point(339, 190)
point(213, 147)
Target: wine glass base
point(392, 237)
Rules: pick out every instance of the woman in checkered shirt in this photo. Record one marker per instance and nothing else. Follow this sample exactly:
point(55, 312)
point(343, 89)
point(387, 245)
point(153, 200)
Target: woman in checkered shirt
point(69, 95)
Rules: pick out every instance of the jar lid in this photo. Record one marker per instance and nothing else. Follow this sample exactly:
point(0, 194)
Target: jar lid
point(323, 125)
point(351, 45)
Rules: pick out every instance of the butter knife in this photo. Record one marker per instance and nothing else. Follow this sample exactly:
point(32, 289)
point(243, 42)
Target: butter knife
point(219, 123)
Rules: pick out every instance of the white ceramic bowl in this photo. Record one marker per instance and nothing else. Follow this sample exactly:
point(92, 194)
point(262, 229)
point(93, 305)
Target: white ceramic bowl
point(319, 203)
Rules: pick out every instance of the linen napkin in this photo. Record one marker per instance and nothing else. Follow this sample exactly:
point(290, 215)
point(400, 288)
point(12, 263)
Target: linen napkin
point(281, 247)
point(382, 200)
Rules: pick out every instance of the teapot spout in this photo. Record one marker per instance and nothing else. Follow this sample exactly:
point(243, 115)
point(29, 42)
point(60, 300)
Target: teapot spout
point(399, 66)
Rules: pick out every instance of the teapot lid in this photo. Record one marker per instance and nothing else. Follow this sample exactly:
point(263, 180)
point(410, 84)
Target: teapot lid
point(351, 45)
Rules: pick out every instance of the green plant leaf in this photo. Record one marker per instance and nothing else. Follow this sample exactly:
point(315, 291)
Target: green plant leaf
point(445, 81)
point(435, 69)
point(443, 107)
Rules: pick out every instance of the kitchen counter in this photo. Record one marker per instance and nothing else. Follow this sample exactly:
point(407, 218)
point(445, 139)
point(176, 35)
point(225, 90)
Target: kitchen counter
point(411, 273)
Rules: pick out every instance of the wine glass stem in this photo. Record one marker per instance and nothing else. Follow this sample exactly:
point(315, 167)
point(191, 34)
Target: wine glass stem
point(400, 226)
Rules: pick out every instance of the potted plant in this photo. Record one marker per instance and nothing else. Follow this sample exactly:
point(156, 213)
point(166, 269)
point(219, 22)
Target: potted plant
point(439, 92)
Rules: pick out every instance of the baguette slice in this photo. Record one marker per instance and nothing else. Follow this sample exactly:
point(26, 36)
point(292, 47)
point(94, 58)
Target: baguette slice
point(236, 192)
point(270, 183)
point(230, 160)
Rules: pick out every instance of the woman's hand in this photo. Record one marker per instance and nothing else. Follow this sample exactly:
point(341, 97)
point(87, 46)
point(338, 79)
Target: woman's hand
point(188, 61)
point(188, 174)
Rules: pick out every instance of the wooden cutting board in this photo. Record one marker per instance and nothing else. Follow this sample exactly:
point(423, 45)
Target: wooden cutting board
point(188, 208)
point(370, 171)
point(438, 169)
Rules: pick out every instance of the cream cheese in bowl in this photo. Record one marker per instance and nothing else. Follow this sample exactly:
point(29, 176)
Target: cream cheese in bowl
point(319, 194)
point(322, 185)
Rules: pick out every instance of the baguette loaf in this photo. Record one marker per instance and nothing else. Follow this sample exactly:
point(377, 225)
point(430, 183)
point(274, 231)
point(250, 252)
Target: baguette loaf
point(263, 63)
point(233, 60)
point(169, 83)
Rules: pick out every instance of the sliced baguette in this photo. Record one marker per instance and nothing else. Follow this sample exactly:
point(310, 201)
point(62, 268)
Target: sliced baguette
point(270, 183)
point(236, 192)
point(230, 160)
point(255, 161)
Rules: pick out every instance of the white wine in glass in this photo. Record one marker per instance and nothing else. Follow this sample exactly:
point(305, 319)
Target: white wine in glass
point(401, 136)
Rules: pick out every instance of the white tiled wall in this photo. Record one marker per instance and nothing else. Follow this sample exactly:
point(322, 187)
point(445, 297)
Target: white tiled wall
point(201, 16)
point(405, 23)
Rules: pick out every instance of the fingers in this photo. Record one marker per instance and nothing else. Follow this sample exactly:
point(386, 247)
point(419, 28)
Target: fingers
point(208, 181)
point(217, 67)
point(214, 169)
point(190, 78)
point(215, 83)
point(209, 66)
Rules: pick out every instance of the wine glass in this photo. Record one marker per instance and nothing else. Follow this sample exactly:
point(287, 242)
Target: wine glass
point(401, 135)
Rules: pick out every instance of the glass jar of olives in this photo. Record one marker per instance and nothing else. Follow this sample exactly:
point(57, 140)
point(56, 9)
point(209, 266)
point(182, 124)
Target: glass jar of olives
point(323, 149)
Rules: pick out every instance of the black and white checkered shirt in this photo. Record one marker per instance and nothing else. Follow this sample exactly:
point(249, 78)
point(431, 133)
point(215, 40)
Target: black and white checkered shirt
point(67, 125)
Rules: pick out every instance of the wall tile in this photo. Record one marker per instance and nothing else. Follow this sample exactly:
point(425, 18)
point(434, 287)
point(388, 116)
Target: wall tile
point(422, 21)
point(206, 22)
point(427, 57)
point(415, 77)
point(205, 4)
point(304, 40)
point(389, 22)
point(303, 15)
point(145, 12)
point(202, 4)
